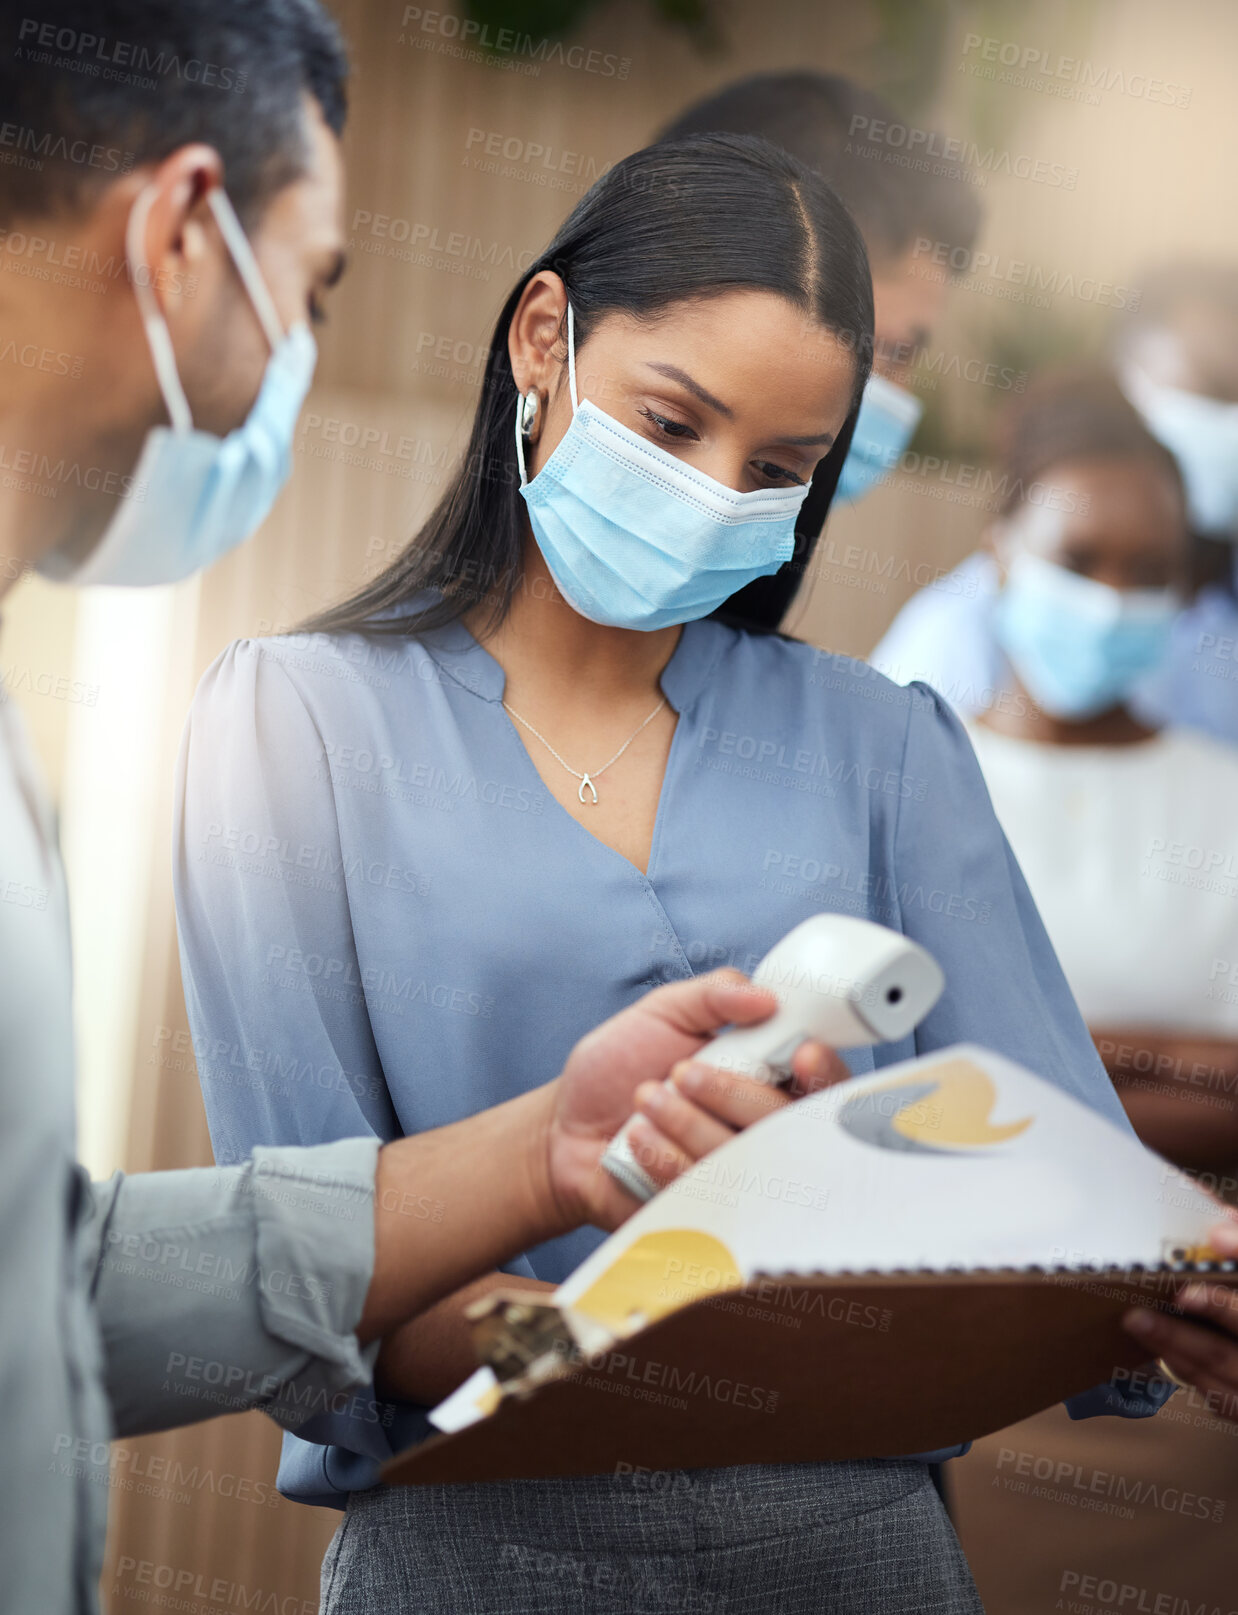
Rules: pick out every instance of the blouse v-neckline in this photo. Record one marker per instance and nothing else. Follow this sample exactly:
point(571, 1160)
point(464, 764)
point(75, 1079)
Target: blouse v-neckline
point(465, 660)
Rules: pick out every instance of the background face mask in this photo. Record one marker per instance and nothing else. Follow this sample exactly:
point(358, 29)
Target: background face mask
point(194, 496)
point(633, 537)
point(1076, 645)
point(884, 425)
point(1202, 435)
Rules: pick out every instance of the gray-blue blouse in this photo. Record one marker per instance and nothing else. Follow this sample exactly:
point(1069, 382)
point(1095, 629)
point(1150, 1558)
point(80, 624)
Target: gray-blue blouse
point(387, 923)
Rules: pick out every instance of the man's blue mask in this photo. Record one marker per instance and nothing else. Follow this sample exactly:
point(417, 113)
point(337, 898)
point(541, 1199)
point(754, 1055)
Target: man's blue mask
point(194, 496)
point(884, 425)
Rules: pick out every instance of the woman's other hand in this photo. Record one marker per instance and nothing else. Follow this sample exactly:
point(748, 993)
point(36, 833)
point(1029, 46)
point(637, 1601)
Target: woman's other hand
point(1206, 1358)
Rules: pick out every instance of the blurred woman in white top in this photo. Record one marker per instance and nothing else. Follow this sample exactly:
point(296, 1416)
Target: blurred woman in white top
point(1128, 837)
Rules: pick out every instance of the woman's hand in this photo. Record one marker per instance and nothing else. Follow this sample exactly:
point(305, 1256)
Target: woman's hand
point(620, 1067)
point(1204, 1358)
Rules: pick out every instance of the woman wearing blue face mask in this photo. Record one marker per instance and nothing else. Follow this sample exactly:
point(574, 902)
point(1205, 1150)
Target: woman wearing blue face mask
point(1128, 836)
point(556, 753)
point(1176, 358)
point(1127, 831)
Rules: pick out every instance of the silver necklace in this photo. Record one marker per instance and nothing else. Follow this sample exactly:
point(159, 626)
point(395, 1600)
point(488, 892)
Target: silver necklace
point(587, 779)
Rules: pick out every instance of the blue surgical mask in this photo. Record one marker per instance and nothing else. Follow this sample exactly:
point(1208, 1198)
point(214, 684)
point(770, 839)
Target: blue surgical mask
point(1202, 435)
point(194, 496)
point(884, 425)
point(1079, 646)
point(633, 537)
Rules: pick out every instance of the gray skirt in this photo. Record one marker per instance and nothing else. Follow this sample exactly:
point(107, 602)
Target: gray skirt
point(783, 1539)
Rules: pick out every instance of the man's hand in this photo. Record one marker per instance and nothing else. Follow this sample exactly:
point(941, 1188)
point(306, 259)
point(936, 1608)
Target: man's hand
point(1204, 1358)
point(608, 1076)
point(523, 1172)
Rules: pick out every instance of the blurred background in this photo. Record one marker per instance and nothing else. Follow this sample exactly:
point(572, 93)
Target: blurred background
point(460, 169)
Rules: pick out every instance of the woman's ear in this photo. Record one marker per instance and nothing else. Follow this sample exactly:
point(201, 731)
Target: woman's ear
point(534, 334)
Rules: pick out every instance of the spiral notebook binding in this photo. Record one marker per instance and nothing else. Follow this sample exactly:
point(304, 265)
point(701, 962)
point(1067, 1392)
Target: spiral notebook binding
point(955, 1270)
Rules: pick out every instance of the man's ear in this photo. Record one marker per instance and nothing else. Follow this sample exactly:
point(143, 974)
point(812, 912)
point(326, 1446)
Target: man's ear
point(533, 336)
point(175, 244)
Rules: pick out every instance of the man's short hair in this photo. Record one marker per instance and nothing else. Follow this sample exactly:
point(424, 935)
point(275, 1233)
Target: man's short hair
point(92, 88)
point(829, 122)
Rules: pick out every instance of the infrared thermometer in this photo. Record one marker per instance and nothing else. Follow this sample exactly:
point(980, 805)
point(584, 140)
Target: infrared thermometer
point(843, 981)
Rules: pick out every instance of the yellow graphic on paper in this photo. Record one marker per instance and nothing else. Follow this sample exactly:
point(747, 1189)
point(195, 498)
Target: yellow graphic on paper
point(945, 1110)
point(657, 1274)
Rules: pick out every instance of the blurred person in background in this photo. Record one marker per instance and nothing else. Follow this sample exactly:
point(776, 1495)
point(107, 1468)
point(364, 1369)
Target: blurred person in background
point(1128, 835)
point(141, 441)
point(1126, 830)
point(827, 122)
point(1176, 358)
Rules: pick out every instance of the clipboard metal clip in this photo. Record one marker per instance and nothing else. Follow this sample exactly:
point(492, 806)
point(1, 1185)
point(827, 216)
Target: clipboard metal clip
point(525, 1342)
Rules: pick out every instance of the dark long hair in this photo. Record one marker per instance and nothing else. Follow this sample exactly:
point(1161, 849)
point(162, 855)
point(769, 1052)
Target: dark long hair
point(682, 219)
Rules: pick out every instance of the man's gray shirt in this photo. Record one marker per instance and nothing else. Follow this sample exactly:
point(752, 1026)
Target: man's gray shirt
point(145, 1301)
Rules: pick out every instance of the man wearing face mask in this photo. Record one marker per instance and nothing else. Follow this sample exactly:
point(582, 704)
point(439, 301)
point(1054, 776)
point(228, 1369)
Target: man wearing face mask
point(910, 221)
point(1176, 358)
point(210, 208)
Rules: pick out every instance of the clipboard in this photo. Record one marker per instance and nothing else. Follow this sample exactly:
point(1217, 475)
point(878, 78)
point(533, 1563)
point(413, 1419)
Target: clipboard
point(800, 1370)
point(978, 1238)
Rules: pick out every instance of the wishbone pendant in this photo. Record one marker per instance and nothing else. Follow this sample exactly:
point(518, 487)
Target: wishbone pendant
point(586, 781)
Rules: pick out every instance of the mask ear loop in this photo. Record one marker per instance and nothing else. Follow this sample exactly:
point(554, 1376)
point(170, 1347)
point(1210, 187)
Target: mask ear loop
point(237, 242)
point(571, 382)
point(571, 356)
point(158, 337)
